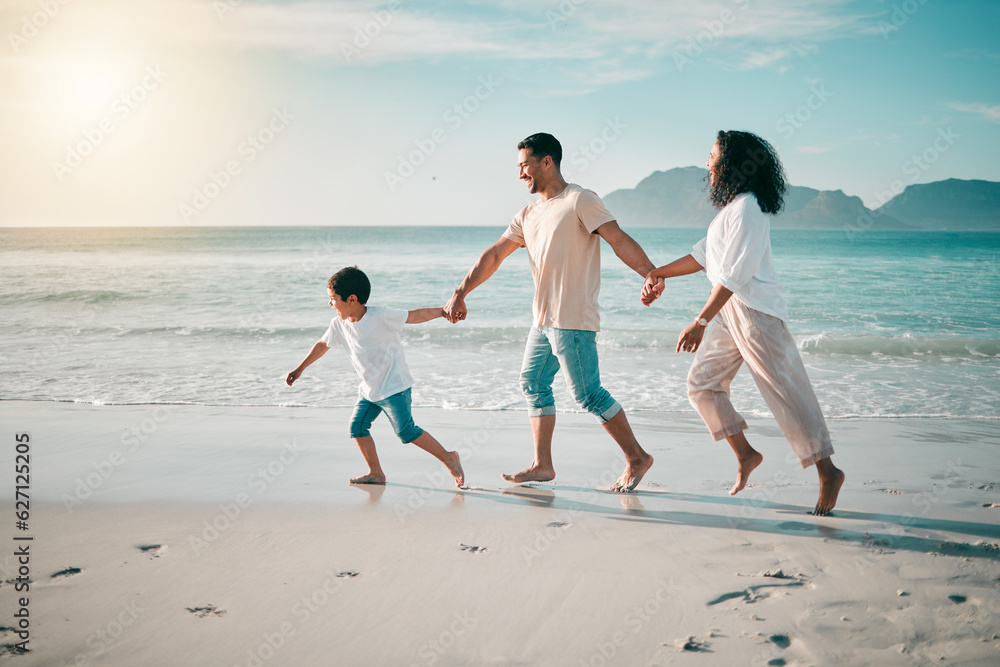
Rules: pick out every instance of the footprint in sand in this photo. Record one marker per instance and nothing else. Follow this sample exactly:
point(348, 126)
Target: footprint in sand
point(957, 599)
point(556, 524)
point(781, 641)
point(68, 572)
point(774, 574)
point(753, 594)
point(348, 573)
point(950, 548)
point(12, 582)
point(11, 649)
point(153, 550)
point(210, 610)
point(692, 644)
point(473, 549)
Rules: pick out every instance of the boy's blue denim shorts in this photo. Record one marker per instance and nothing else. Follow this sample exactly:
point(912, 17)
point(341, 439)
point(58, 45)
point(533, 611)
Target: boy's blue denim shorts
point(575, 351)
point(395, 407)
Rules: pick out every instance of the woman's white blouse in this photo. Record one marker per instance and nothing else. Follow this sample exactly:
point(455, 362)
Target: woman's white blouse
point(736, 253)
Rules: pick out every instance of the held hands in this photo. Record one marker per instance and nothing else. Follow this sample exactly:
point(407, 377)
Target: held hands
point(652, 288)
point(690, 338)
point(455, 310)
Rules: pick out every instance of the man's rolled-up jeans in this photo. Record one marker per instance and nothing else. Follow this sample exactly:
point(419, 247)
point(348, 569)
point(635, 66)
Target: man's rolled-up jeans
point(575, 351)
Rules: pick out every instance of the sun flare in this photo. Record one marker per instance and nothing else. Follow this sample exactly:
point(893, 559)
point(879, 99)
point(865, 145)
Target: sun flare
point(93, 89)
point(89, 87)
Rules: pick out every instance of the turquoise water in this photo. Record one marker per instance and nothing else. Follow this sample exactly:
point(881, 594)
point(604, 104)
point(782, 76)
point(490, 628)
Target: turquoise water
point(889, 324)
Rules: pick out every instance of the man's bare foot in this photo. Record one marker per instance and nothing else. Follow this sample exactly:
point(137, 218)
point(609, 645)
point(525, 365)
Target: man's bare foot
point(370, 478)
point(536, 473)
point(632, 475)
point(747, 466)
point(829, 489)
point(454, 464)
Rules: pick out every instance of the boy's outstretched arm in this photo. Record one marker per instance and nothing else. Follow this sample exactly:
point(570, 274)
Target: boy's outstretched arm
point(419, 315)
point(317, 351)
point(653, 287)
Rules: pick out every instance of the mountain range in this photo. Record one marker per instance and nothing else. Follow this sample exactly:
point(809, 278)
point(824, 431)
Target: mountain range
point(677, 198)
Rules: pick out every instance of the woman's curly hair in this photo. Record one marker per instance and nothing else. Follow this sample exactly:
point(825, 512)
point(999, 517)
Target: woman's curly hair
point(748, 163)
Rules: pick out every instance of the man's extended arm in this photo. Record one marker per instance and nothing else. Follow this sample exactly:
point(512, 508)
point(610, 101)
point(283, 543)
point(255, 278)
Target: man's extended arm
point(628, 251)
point(480, 272)
point(631, 253)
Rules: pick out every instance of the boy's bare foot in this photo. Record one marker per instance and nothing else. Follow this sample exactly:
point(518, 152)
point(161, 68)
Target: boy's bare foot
point(747, 466)
point(829, 489)
point(454, 464)
point(632, 475)
point(536, 473)
point(370, 478)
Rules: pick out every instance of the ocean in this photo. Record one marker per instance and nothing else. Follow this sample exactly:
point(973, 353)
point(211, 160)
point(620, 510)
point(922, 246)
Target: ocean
point(889, 324)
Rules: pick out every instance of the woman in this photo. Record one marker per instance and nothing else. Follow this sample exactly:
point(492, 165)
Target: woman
point(748, 316)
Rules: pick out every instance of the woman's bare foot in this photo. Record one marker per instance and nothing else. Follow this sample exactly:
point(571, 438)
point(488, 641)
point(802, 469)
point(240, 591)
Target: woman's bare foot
point(830, 481)
point(454, 465)
point(370, 478)
point(747, 465)
point(536, 473)
point(632, 475)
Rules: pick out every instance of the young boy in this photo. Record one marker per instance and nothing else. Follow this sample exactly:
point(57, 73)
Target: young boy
point(371, 336)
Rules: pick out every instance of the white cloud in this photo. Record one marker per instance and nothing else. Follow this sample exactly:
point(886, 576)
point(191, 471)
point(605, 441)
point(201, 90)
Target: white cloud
point(974, 54)
point(348, 31)
point(586, 43)
point(984, 111)
point(643, 31)
point(816, 150)
point(775, 55)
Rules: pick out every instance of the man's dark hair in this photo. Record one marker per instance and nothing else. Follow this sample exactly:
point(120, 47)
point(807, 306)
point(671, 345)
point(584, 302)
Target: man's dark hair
point(350, 280)
point(542, 144)
point(748, 163)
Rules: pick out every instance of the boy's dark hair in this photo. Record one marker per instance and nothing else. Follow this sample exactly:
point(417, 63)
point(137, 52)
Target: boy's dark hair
point(748, 163)
point(542, 144)
point(350, 280)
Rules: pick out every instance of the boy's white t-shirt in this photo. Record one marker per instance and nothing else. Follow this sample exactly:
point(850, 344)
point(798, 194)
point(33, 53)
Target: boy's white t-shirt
point(736, 254)
point(376, 350)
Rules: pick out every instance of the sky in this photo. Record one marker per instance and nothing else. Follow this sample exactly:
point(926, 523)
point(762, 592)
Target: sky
point(245, 112)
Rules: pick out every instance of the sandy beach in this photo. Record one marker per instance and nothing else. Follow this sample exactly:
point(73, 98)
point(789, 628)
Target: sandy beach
point(183, 535)
point(182, 181)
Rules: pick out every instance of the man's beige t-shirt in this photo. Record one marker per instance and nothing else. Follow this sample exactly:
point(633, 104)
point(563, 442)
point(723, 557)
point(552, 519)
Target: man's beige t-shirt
point(565, 256)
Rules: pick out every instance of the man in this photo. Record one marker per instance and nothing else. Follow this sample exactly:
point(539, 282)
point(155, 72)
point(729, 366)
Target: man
point(561, 232)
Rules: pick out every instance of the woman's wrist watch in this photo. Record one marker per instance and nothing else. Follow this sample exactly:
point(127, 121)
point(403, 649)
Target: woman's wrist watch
point(702, 322)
